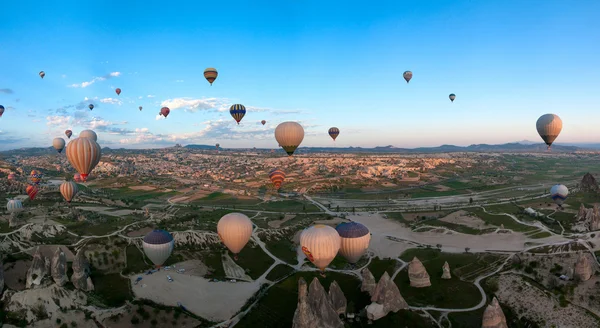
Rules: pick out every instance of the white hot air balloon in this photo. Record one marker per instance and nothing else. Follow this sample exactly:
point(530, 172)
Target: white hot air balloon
point(58, 144)
point(355, 240)
point(320, 244)
point(14, 205)
point(559, 194)
point(158, 246)
point(549, 127)
point(289, 135)
point(89, 134)
point(234, 230)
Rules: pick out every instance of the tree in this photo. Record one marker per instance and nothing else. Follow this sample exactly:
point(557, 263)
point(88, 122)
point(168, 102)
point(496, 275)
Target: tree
point(337, 209)
point(354, 211)
point(467, 249)
point(470, 200)
point(135, 320)
point(438, 246)
point(303, 208)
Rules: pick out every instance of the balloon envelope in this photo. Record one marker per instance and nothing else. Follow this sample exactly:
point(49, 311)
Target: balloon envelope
point(277, 176)
point(69, 133)
point(320, 244)
point(237, 111)
point(210, 74)
point(35, 176)
point(68, 190)
point(118, 91)
point(58, 144)
point(158, 246)
point(91, 106)
point(31, 191)
point(165, 111)
point(334, 132)
point(84, 154)
point(452, 97)
point(42, 74)
point(559, 193)
point(549, 127)
point(14, 205)
point(263, 122)
point(88, 134)
point(407, 76)
point(355, 240)
point(235, 230)
point(289, 135)
point(1, 110)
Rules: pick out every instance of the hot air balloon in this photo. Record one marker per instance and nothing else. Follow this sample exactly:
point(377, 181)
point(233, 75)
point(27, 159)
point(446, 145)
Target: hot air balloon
point(234, 230)
point(84, 154)
point(407, 76)
point(69, 133)
point(140, 108)
point(69, 189)
point(277, 176)
point(320, 244)
point(42, 74)
point(334, 133)
point(35, 177)
point(355, 240)
point(217, 145)
point(452, 97)
point(263, 122)
point(164, 111)
point(237, 111)
point(549, 126)
point(31, 191)
point(88, 134)
point(559, 194)
point(1, 110)
point(58, 144)
point(210, 74)
point(14, 205)
point(118, 91)
point(77, 177)
point(12, 177)
point(91, 106)
point(158, 246)
point(289, 135)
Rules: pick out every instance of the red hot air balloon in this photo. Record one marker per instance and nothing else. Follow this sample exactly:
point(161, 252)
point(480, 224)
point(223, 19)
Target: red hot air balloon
point(277, 176)
point(165, 111)
point(118, 91)
point(31, 191)
point(263, 122)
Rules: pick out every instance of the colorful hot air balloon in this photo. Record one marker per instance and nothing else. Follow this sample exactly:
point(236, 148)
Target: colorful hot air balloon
point(452, 97)
point(69, 189)
point(210, 74)
point(237, 111)
point(549, 127)
point(1, 110)
point(407, 76)
point(140, 108)
point(91, 106)
point(77, 177)
point(334, 133)
point(355, 240)
point(88, 134)
point(277, 176)
point(559, 194)
point(58, 144)
point(35, 177)
point(69, 133)
point(42, 74)
point(289, 135)
point(31, 191)
point(14, 205)
point(164, 111)
point(320, 244)
point(234, 230)
point(84, 154)
point(263, 122)
point(118, 91)
point(158, 246)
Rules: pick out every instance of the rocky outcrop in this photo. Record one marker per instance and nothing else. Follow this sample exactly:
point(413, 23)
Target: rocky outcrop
point(493, 317)
point(321, 306)
point(388, 296)
point(1, 277)
point(337, 298)
point(588, 183)
point(15, 220)
point(583, 268)
point(58, 267)
point(81, 272)
point(417, 274)
point(589, 217)
point(446, 269)
point(582, 211)
point(304, 317)
point(38, 270)
point(368, 282)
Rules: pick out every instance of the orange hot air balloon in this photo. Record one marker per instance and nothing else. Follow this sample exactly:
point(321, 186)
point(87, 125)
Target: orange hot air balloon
point(31, 191)
point(69, 133)
point(118, 91)
point(263, 122)
point(277, 176)
point(210, 74)
point(84, 154)
point(35, 177)
point(68, 190)
point(164, 111)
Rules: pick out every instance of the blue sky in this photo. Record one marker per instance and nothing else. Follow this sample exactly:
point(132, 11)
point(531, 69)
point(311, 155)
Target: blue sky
point(334, 64)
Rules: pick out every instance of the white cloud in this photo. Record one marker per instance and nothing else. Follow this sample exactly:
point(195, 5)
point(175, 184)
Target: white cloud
point(94, 80)
point(192, 105)
point(160, 117)
point(140, 97)
point(151, 96)
point(58, 121)
point(178, 81)
point(115, 74)
point(111, 101)
point(63, 76)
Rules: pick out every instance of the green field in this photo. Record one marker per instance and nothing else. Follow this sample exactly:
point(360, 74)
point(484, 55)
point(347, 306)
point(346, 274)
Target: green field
point(111, 289)
point(279, 271)
point(378, 267)
point(499, 220)
point(254, 260)
point(135, 260)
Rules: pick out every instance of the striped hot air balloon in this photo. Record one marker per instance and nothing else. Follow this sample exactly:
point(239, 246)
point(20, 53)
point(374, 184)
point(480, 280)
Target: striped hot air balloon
point(14, 205)
point(69, 189)
point(559, 194)
point(355, 240)
point(210, 74)
point(277, 176)
point(234, 230)
point(58, 144)
point(320, 244)
point(35, 177)
point(84, 154)
point(68, 133)
point(289, 135)
point(237, 111)
point(31, 191)
point(89, 134)
point(158, 246)
point(407, 76)
point(549, 127)
point(334, 132)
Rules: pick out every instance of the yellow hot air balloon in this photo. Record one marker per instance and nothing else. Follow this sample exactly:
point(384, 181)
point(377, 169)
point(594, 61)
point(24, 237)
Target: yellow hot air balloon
point(88, 134)
point(68, 190)
point(355, 240)
point(549, 127)
point(289, 135)
point(320, 244)
point(84, 154)
point(234, 230)
point(58, 144)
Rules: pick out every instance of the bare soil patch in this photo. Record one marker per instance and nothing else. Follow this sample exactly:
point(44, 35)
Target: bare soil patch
point(139, 232)
point(278, 223)
point(146, 188)
point(463, 218)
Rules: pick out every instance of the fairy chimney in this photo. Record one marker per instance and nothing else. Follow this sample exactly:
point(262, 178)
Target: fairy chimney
point(493, 317)
point(417, 274)
point(583, 268)
point(446, 269)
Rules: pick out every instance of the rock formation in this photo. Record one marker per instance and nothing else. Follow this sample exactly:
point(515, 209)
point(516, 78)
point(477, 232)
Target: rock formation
point(368, 282)
point(38, 270)
point(58, 267)
point(1, 277)
point(304, 316)
point(589, 217)
point(386, 298)
point(588, 183)
point(493, 317)
point(81, 272)
point(417, 274)
point(446, 269)
point(321, 306)
point(337, 298)
point(582, 212)
point(583, 268)
point(14, 220)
